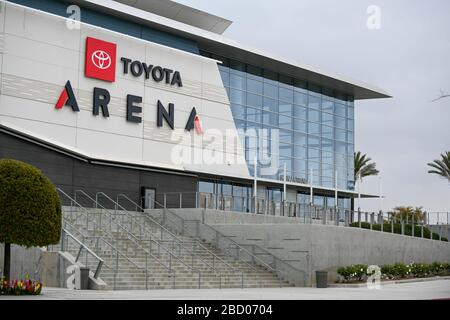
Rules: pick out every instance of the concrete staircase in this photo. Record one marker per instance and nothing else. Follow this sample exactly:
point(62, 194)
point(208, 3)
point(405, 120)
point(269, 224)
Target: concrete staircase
point(140, 254)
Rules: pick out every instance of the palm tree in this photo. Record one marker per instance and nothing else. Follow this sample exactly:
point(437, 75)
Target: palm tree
point(441, 167)
point(362, 166)
point(362, 169)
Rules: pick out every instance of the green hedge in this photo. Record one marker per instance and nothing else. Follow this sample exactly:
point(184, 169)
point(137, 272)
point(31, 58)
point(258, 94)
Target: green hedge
point(358, 272)
point(30, 210)
point(398, 229)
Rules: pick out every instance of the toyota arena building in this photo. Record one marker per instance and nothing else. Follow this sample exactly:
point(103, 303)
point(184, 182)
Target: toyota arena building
point(149, 100)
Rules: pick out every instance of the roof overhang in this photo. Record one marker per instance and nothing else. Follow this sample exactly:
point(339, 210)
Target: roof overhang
point(213, 42)
point(182, 13)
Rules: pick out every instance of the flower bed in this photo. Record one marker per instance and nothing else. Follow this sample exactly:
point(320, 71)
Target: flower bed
point(20, 287)
point(358, 272)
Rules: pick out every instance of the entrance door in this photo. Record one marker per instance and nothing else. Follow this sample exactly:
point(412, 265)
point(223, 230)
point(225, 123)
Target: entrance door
point(149, 198)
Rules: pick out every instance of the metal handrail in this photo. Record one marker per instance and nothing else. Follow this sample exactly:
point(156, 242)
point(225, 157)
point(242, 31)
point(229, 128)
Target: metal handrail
point(136, 240)
point(264, 264)
point(173, 235)
point(107, 243)
point(86, 213)
point(82, 245)
point(237, 245)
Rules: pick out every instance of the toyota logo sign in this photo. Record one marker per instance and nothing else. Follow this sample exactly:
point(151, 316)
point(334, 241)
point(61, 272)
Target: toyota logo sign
point(101, 59)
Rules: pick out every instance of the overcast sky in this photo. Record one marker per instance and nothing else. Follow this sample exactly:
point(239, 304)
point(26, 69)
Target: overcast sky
point(409, 57)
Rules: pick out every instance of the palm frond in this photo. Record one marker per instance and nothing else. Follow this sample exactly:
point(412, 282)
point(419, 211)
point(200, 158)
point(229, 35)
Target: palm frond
point(441, 167)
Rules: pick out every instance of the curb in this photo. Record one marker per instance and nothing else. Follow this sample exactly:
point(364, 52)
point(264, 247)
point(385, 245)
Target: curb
point(363, 285)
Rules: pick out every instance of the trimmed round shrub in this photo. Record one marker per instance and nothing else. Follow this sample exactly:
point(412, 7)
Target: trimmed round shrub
point(30, 210)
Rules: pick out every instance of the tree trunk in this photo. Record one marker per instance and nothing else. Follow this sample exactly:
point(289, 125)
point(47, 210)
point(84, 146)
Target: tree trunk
point(7, 261)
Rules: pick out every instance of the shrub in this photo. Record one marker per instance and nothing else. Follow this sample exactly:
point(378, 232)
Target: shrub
point(30, 210)
point(355, 272)
point(398, 229)
point(396, 271)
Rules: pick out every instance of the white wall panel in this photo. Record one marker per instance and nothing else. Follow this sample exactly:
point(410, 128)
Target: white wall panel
point(41, 54)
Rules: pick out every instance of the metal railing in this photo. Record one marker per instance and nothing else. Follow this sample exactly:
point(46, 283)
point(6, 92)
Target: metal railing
point(206, 232)
point(307, 213)
point(180, 242)
point(132, 237)
point(89, 222)
point(65, 235)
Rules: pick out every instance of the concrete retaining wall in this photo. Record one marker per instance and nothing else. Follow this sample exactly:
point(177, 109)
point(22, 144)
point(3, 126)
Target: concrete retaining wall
point(312, 247)
point(48, 267)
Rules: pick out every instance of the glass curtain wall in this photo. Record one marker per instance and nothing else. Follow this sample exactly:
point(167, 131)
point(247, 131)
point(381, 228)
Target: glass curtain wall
point(315, 125)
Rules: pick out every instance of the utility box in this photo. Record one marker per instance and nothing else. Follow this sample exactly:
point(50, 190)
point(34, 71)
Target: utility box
point(82, 278)
point(321, 278)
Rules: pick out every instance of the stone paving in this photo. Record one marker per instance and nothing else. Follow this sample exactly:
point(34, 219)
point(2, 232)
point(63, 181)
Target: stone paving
point(439, 289)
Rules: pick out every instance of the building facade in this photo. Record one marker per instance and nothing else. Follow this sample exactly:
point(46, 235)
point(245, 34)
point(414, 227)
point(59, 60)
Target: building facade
point(150, 100)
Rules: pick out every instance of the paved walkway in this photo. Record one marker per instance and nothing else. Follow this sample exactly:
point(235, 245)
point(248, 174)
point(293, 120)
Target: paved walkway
point(439, 289)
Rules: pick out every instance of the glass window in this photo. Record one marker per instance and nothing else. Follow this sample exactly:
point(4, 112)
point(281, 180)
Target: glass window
point(300, 112)
point(206, 186)
point(285, 150)
point(340, 160)
point(238, 111)
point(270, 90)
point(327, 118)
point(285, 122)
point(350, 114)
point(240, 124)
point(285, 136)
point(319, 201)
point(237, 96)
point(254, 115)
point(313, 128)
point(341, 147)
point(227, 189)
point(327, 145)
point(314, 102)
point(327, 171)
point(299, 152)
point(313, 142)
point(340, 122)
point(238, 82)
point(300, 139)
point(286, 94)
point(270, 104)
point(313, 154)
point(254, 100)
point(350, 124)
point(299, 125)
point(350, 137)
point(300, 165)
point(327, 157)
point(270, 118)
point(327, 106)
point(340, 109)
point(300, 98)
point(254, 86)
point(327, 132)
point(285, 109)
point(225, 75)
point(340, 134)
point(313, 115)
point(288, 162)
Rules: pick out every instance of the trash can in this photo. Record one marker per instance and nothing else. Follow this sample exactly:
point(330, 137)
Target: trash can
point(321, 278)
point(82, 279)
